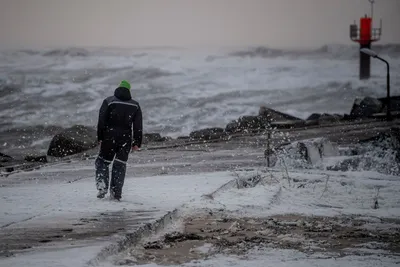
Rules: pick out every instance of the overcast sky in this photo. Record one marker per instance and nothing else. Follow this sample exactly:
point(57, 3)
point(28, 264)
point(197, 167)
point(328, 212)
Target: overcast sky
point(276, 23)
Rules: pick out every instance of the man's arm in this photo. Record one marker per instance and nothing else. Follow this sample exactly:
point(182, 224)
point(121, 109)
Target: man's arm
point(137, 128)
point(102, 121)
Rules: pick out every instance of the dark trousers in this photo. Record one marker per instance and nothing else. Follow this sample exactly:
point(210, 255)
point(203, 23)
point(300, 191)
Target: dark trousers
point(117, 151)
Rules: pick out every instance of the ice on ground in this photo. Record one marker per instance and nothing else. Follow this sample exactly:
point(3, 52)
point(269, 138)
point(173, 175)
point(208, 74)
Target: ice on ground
point(35, 206)
point(313, 193)
point(58, 258)
point(27, 204)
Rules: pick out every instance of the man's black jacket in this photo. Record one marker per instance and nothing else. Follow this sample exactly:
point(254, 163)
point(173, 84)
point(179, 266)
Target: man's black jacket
point(119, 117)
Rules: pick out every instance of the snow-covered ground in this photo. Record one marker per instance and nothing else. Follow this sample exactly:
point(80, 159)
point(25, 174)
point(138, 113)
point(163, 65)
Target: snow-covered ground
point(60, 204)
point(311, 193)
point(370, 195)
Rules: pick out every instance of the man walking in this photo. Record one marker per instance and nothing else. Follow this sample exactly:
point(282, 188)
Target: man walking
point(120, 116)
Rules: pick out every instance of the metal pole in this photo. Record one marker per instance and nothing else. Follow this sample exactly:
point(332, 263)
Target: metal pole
point(388, 108)
point(268, 148)
point(372, 8)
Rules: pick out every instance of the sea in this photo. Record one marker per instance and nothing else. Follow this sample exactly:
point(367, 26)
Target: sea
point(179, 89)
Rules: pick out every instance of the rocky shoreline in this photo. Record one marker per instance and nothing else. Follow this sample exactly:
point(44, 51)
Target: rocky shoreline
point(79, 140)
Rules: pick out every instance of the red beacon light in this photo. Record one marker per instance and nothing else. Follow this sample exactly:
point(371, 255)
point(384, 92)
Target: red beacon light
point(365, 36)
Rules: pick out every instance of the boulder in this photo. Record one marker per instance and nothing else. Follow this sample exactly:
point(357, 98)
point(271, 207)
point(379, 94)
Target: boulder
point(287, 124)
point(73, 140)
point(5, 158)
point(308, 152)
point(208, 134)
point(394, 103)
point(395, 135)
point(247, 123)
point(314, 117)
point(348, 164)
point(272, 115)
point(329, 118)
point(36, 158)
point(153, 137)
point(325, 117)
point(385, 139)
point(363, 108)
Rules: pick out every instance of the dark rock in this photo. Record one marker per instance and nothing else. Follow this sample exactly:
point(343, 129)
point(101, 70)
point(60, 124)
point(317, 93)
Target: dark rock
point(247, 123)
point(394, 103)
point(73, 140)
point(180, 237)
point(395, 136)
point(5, 158)
point(349, 164)
point(287, 124)
point(208, 134)
point(314, 116)
point(311, 123)
point(278, 119)
point(183, 137)
point(153, 137)
point(310, 151)
point(330, 117)
point(325, 117)
point(150, 137)
point(232, 127)
point(272, 115)
point(366, 107)
point(36, 158)
point(395, 131)
point(154, 245)
point(339, 116)
point(347, 117)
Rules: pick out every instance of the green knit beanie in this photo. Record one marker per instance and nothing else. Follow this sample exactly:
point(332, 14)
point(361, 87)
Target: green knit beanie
point(125, 84)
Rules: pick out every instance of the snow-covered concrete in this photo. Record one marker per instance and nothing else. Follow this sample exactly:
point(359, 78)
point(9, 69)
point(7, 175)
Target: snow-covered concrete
point(66, 199)
point(49, 205)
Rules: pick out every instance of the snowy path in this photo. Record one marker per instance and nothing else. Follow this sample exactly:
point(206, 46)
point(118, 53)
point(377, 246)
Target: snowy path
point(67, 215)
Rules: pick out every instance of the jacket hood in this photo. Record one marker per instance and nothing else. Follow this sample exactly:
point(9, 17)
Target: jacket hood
point(123, 94)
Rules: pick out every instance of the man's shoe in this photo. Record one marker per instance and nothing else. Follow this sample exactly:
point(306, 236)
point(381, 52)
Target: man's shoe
point(101, 193)
point(113, 197)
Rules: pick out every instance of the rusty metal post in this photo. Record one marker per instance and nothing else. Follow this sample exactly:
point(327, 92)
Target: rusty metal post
point(268, 148)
